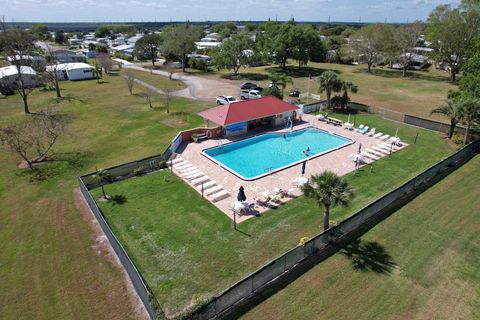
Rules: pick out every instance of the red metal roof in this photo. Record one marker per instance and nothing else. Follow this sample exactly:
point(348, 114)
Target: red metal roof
point(247, 110)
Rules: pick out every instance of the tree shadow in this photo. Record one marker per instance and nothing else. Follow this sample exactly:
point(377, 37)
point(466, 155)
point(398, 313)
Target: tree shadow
point(246, 76)
point(368, 256)
point(397, 74)
point(119, 199)
point(70, 98)
point(55, 165)
point(302, 72)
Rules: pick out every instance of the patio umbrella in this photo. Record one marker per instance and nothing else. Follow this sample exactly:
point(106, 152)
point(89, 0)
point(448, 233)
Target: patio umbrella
point(241, 194)
point(396, 133)
point(348, 121)
point(304, 165)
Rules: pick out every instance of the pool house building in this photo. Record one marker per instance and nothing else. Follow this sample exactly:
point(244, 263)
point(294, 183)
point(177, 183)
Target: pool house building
point(240, 117)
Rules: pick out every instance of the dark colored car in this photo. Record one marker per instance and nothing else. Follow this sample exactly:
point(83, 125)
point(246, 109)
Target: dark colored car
point(247, 86)
point(294, 93)
point(259, 89)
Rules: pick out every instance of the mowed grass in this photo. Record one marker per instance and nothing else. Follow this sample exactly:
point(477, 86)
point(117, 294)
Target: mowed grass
point(159, 81)
point(430, 255)
point(187, 249)
point(416, 94)
point(50, 264)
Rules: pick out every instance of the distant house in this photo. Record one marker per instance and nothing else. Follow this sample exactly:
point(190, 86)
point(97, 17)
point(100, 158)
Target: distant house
point(9, 79)
point(36, 62)
point(73, 71)
point(207, 45)
point(134, 39)
point(124, 48)
point(67, 56)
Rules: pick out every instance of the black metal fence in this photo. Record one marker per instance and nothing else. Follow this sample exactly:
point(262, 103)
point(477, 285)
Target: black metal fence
point(130, 169)
point(259, 280)
point(118, 173)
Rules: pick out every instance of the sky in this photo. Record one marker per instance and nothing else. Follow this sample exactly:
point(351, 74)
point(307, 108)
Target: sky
point(217, 10)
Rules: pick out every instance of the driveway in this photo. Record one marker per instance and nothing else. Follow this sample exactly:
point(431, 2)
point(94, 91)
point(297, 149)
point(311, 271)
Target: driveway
point(198, 88)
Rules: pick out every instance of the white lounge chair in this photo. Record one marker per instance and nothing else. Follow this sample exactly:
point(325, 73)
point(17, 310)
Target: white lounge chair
point(195, 175)
point(219, 196)
point(360, 127)
point(381, 151)
point(207, 185)
point(395, 147)
point(384, 137)
point(377, 135)
point(175, 161)
point(371, 132)
point(200, 180)
point(189, 169)
point(375, 152)
point(190, 172)
point(370, 156)
point(213, 190)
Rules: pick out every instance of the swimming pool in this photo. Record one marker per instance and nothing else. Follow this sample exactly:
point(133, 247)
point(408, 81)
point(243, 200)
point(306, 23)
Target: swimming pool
point(258, 156)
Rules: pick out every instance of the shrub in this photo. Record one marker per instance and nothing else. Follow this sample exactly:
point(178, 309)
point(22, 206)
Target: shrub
point(199, 64)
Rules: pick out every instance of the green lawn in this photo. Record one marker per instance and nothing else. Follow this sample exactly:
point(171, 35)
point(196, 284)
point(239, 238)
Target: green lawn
point(186, 248)
point(159, 81)
point(50, 266)
point(385, 88)
point(429, 252)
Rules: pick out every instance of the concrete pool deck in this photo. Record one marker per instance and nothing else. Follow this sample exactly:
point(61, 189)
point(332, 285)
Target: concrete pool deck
point(338, 161)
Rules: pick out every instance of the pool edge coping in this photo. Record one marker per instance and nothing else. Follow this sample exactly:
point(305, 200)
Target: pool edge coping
point(352, 141)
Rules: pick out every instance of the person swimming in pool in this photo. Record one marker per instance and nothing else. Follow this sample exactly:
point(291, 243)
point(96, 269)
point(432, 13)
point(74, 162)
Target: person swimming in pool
point(307, 152)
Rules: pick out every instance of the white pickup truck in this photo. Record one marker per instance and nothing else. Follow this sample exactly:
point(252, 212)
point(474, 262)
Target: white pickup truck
point(250, 94)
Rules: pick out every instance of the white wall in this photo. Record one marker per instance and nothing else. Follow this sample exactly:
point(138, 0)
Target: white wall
point(80, 74)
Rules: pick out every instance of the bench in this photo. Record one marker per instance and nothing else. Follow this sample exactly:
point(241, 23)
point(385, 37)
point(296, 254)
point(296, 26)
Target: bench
point(202, 136)
point(334, 121)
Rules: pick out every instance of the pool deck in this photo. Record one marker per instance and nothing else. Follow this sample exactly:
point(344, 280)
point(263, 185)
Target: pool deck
point(338, 161)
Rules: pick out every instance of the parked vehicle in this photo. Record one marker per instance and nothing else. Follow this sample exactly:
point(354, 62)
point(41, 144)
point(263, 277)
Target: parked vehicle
point(225, 99)
point(250, 94)
point(294, 93)
point(247, 86)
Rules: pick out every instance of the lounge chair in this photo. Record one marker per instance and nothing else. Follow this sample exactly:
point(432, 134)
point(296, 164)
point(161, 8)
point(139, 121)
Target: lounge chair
point(384, 137)
point(364, 130)
point(381, 151)
point(360, 127)
point(371, 132)
point(370, 156)
point(377, 135)
point(375, 152)
point(265, 203)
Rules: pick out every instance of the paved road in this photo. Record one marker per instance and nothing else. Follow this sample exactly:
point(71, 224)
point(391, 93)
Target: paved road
point(198, 88)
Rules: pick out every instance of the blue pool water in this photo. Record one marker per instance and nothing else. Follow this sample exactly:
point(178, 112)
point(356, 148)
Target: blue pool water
point(254, 157)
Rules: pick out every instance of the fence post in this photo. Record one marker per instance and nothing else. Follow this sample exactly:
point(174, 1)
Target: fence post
point(415, 140)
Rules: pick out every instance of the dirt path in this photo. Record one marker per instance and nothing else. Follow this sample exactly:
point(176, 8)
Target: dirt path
point(103, 248)
point(198, 88)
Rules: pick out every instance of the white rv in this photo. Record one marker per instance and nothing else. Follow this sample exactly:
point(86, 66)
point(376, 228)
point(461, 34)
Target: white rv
point(73, 71)
point(9, 79)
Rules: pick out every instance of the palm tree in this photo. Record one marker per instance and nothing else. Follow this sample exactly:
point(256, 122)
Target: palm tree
point(328, 189)
point(103, 177)
point(451, 110)
point(346, 87)
point(469, 115)
point(279, 80)
point(329, 83)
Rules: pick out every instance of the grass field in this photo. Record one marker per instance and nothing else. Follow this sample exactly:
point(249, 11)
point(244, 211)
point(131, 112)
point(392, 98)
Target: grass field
point(161, 82)
point(49, 262)
point(416, 94)
point(186, 248)
point(421, 263)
